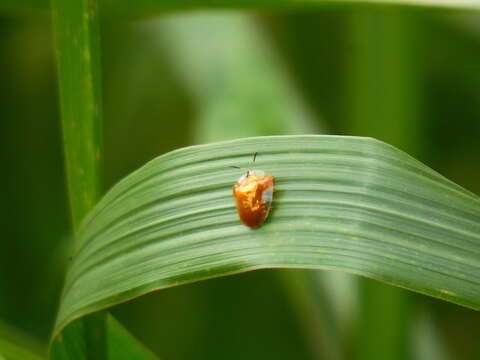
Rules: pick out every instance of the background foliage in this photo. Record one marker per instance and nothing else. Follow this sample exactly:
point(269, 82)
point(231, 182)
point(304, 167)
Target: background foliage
point(404, 76)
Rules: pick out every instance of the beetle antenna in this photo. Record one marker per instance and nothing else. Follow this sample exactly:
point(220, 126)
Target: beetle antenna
point(235, 167)
point(254, 157)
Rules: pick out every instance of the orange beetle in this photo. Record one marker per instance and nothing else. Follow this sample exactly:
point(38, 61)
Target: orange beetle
point(253, 194)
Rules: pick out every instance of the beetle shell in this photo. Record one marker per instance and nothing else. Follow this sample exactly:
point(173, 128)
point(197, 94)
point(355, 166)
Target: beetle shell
point(253, 194)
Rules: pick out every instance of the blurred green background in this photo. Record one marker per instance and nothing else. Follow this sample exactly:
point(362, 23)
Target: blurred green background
point(407, 76)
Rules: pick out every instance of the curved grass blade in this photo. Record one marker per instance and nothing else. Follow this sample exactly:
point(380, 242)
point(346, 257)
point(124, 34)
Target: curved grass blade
point(342, 203)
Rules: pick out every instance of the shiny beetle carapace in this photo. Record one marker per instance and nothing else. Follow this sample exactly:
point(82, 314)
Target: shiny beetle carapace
point(253, 194)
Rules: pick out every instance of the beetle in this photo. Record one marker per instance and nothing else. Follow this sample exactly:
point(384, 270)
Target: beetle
point(253, 195)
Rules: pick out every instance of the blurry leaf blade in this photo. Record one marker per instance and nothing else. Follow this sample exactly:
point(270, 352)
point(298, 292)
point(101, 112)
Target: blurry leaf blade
point(122, 345)
point(144, 8)
point(219, 74)
point(71, 344)
point(14, 338)
point(343, 203)
point(391, 91)
point(10, 351)
point(150, 7)
point(18, 7)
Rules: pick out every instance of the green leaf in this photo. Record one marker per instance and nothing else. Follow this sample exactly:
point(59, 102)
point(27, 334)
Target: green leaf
point(121, 344)
point(25, 7)
point(148, 7)
point(341, 203)
point(10, 351)
point(17, 344)
point(219, 77)
point(77, 33)
point(393, 38)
